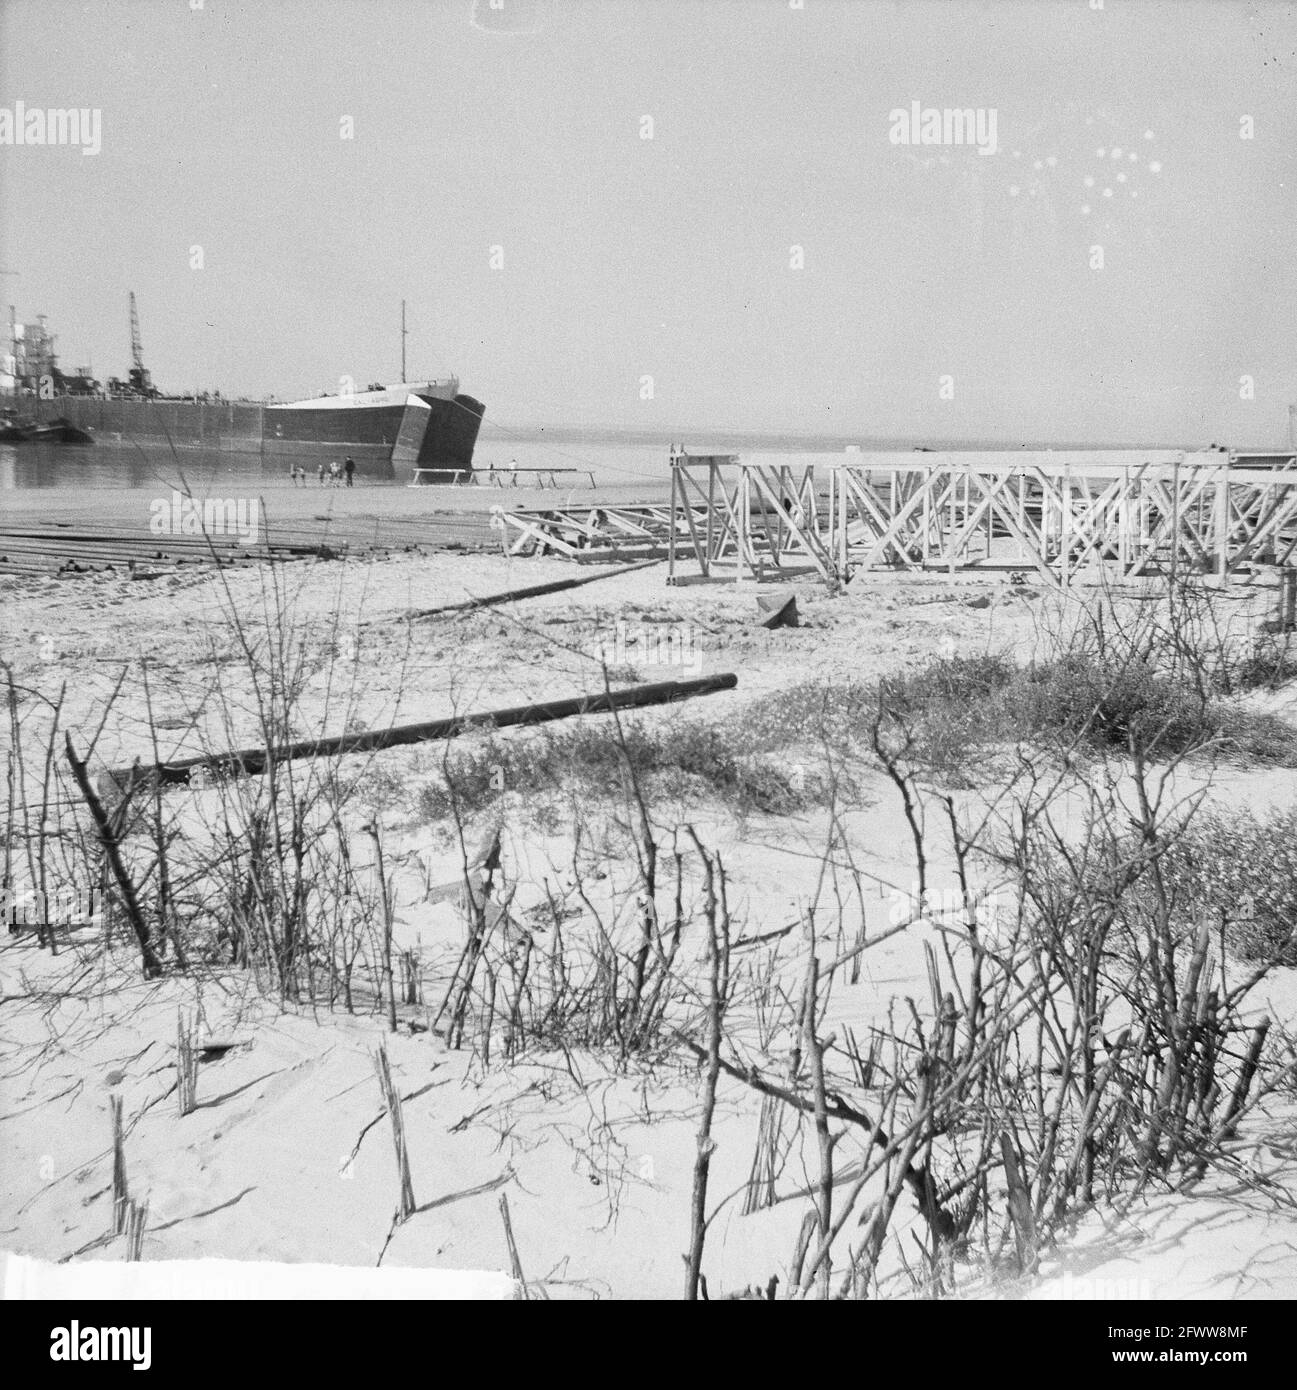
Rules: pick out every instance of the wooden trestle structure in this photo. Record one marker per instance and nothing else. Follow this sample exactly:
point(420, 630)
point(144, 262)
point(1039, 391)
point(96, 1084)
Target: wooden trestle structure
point(588, 533)
point(1057, 512)
point(1051, 513)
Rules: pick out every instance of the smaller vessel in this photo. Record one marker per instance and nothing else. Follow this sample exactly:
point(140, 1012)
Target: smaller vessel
point(43, 434)
point(57, 431)
point(61, 430)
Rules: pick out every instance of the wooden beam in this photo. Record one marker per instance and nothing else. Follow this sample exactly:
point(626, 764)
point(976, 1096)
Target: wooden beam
point(249, 761)
point(557, 586)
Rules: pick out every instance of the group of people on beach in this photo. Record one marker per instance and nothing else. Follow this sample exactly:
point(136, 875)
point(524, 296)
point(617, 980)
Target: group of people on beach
point(330, 474)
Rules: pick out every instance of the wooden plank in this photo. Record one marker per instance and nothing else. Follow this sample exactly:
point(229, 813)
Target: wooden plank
point(251, 761)
point(510, 595)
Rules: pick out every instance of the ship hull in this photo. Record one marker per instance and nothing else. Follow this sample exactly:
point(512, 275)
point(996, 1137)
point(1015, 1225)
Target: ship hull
point(423, 432)
point(289, 433)
point(440, 448)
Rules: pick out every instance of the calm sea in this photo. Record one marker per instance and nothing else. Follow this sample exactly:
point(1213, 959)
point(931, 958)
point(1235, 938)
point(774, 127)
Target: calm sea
point(626, 469)
point(623, 464)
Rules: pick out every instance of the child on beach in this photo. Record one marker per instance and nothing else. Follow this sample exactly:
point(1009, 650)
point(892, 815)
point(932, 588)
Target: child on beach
point(320, 471)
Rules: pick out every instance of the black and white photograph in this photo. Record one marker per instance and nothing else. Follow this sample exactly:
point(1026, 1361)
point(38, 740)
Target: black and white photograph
point(648, 652)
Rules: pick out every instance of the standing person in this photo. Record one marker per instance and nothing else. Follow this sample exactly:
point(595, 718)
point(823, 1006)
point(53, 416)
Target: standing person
point(292, 474)
point(349, 468)
point(320, 471)
point(333, 472)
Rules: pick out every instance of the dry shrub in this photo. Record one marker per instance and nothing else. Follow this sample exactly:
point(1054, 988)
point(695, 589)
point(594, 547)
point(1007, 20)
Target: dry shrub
point(595, 759)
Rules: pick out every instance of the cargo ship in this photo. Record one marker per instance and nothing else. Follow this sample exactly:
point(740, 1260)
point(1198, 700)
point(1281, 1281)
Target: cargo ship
point(424, 431)
point(420, 432)
point(429, 427)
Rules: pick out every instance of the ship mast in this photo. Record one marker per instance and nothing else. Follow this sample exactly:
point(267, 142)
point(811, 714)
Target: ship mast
point(13, 332)
point(403, 335)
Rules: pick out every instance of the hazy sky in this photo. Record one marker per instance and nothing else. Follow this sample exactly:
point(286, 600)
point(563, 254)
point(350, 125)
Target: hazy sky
point(672, 257)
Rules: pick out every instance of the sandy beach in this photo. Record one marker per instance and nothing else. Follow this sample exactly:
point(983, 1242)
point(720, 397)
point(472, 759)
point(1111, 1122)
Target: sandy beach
point(278, 1161)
